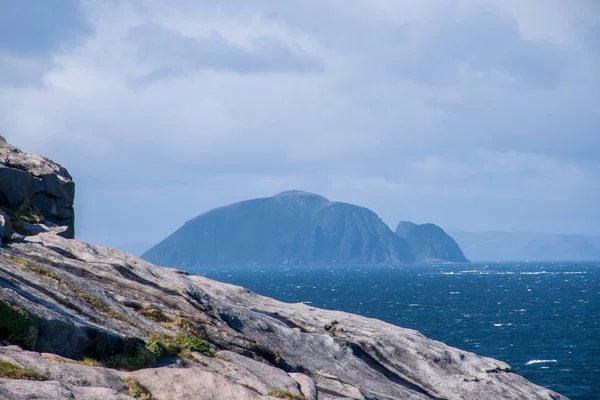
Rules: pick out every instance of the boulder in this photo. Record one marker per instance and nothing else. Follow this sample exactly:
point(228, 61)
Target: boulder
point(36, 191)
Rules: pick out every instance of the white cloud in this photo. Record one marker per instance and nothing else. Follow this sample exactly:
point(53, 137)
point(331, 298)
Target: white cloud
point(378, 102)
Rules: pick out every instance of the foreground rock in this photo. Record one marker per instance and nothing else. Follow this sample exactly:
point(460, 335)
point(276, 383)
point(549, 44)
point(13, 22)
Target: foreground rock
point(90, 301)
point(36, 193)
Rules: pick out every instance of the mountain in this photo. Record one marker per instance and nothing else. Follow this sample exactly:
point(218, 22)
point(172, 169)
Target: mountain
point(429, 242)
point(514, 246)
point(292, 227)
point(86, 322)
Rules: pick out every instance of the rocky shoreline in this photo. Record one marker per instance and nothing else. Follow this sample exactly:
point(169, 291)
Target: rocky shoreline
point(87, 322)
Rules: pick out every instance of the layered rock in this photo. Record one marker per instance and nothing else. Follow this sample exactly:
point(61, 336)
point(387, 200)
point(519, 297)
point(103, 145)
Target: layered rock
point(90, 301)
point(36, 193)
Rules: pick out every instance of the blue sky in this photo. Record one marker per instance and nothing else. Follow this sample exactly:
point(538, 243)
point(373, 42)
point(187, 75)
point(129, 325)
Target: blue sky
point(475, 115)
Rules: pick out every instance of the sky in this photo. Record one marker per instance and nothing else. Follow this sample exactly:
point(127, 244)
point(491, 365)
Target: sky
point(472, 114)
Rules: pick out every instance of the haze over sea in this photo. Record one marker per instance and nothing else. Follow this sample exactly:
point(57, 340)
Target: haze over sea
point(541, 318)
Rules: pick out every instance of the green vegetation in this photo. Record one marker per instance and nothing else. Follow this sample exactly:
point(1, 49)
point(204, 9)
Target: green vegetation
point(141, 358)
point(26, 212)
point(87, 361)
point(11, 371)
point(163, 345)
point(94, 302)
point(154, 314)
point(159, 346)
point(17, 326)
point(284, 395)
point(137, 390)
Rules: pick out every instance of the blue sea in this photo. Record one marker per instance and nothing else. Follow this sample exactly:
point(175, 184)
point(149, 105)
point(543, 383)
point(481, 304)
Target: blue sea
point(541, 318)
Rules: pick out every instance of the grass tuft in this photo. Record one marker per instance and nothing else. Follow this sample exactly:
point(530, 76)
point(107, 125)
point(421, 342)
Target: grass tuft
point(11, 371)
point(285, 395)
point(154, 314)
point(136, 390)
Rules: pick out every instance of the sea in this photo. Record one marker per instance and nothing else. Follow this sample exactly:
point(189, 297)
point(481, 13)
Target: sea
point(543, 319)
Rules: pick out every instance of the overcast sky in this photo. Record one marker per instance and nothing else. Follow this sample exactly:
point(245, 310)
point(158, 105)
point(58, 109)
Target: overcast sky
point(475, 115)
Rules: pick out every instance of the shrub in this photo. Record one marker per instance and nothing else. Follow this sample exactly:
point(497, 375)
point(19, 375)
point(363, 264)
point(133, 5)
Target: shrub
point(141, 358)
point(17, 326)
point(159, 346)
point(11, 371)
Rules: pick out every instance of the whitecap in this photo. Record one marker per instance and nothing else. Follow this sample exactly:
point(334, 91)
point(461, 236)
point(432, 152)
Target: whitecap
point(540, 361)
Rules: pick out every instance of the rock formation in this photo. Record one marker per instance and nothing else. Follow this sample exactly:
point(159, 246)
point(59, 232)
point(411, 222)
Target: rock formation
point(292, 227)
point(429, 243)
point(96, 323)
point(37, 194)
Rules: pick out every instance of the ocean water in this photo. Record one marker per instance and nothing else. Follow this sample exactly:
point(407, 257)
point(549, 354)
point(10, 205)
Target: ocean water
point(541, 318)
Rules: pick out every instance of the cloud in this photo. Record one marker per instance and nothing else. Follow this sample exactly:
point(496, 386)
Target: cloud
point(29, 34)
point(419, 110)
point(169, 53)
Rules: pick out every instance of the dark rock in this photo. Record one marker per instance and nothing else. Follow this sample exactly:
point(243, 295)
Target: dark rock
point(34, 190)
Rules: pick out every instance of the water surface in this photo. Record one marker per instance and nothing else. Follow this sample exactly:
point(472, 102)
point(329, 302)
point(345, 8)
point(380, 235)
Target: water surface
point(541, 318)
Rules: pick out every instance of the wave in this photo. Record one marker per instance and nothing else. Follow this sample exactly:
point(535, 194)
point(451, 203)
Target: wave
point(540, 361)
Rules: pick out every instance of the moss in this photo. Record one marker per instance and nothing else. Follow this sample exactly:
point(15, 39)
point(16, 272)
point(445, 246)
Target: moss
point(21, 261)
point(11, 371)
point(285, 395)
point(17, 326)
point(137, 390)
point(176, 345)
point(26, 212)
point(155, 315)
point(223, 358)
point(88, 362)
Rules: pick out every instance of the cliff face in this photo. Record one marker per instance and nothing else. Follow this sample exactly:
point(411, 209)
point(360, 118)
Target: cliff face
point(289, 228)
point(429, 242)
point(96, 323)
point(36, 194)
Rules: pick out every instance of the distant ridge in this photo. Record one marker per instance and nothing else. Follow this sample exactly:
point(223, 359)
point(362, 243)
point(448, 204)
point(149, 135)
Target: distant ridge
point(291, 227)
point(517, 246)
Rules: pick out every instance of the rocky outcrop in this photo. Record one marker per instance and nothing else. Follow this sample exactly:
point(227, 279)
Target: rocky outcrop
point(93, 301)
point(95, 323)
point(36, 193)
point(429, 243)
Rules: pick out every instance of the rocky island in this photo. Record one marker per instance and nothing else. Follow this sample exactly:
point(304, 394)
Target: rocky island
point(79, 321)
point(296, 227)
point(430, 243)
